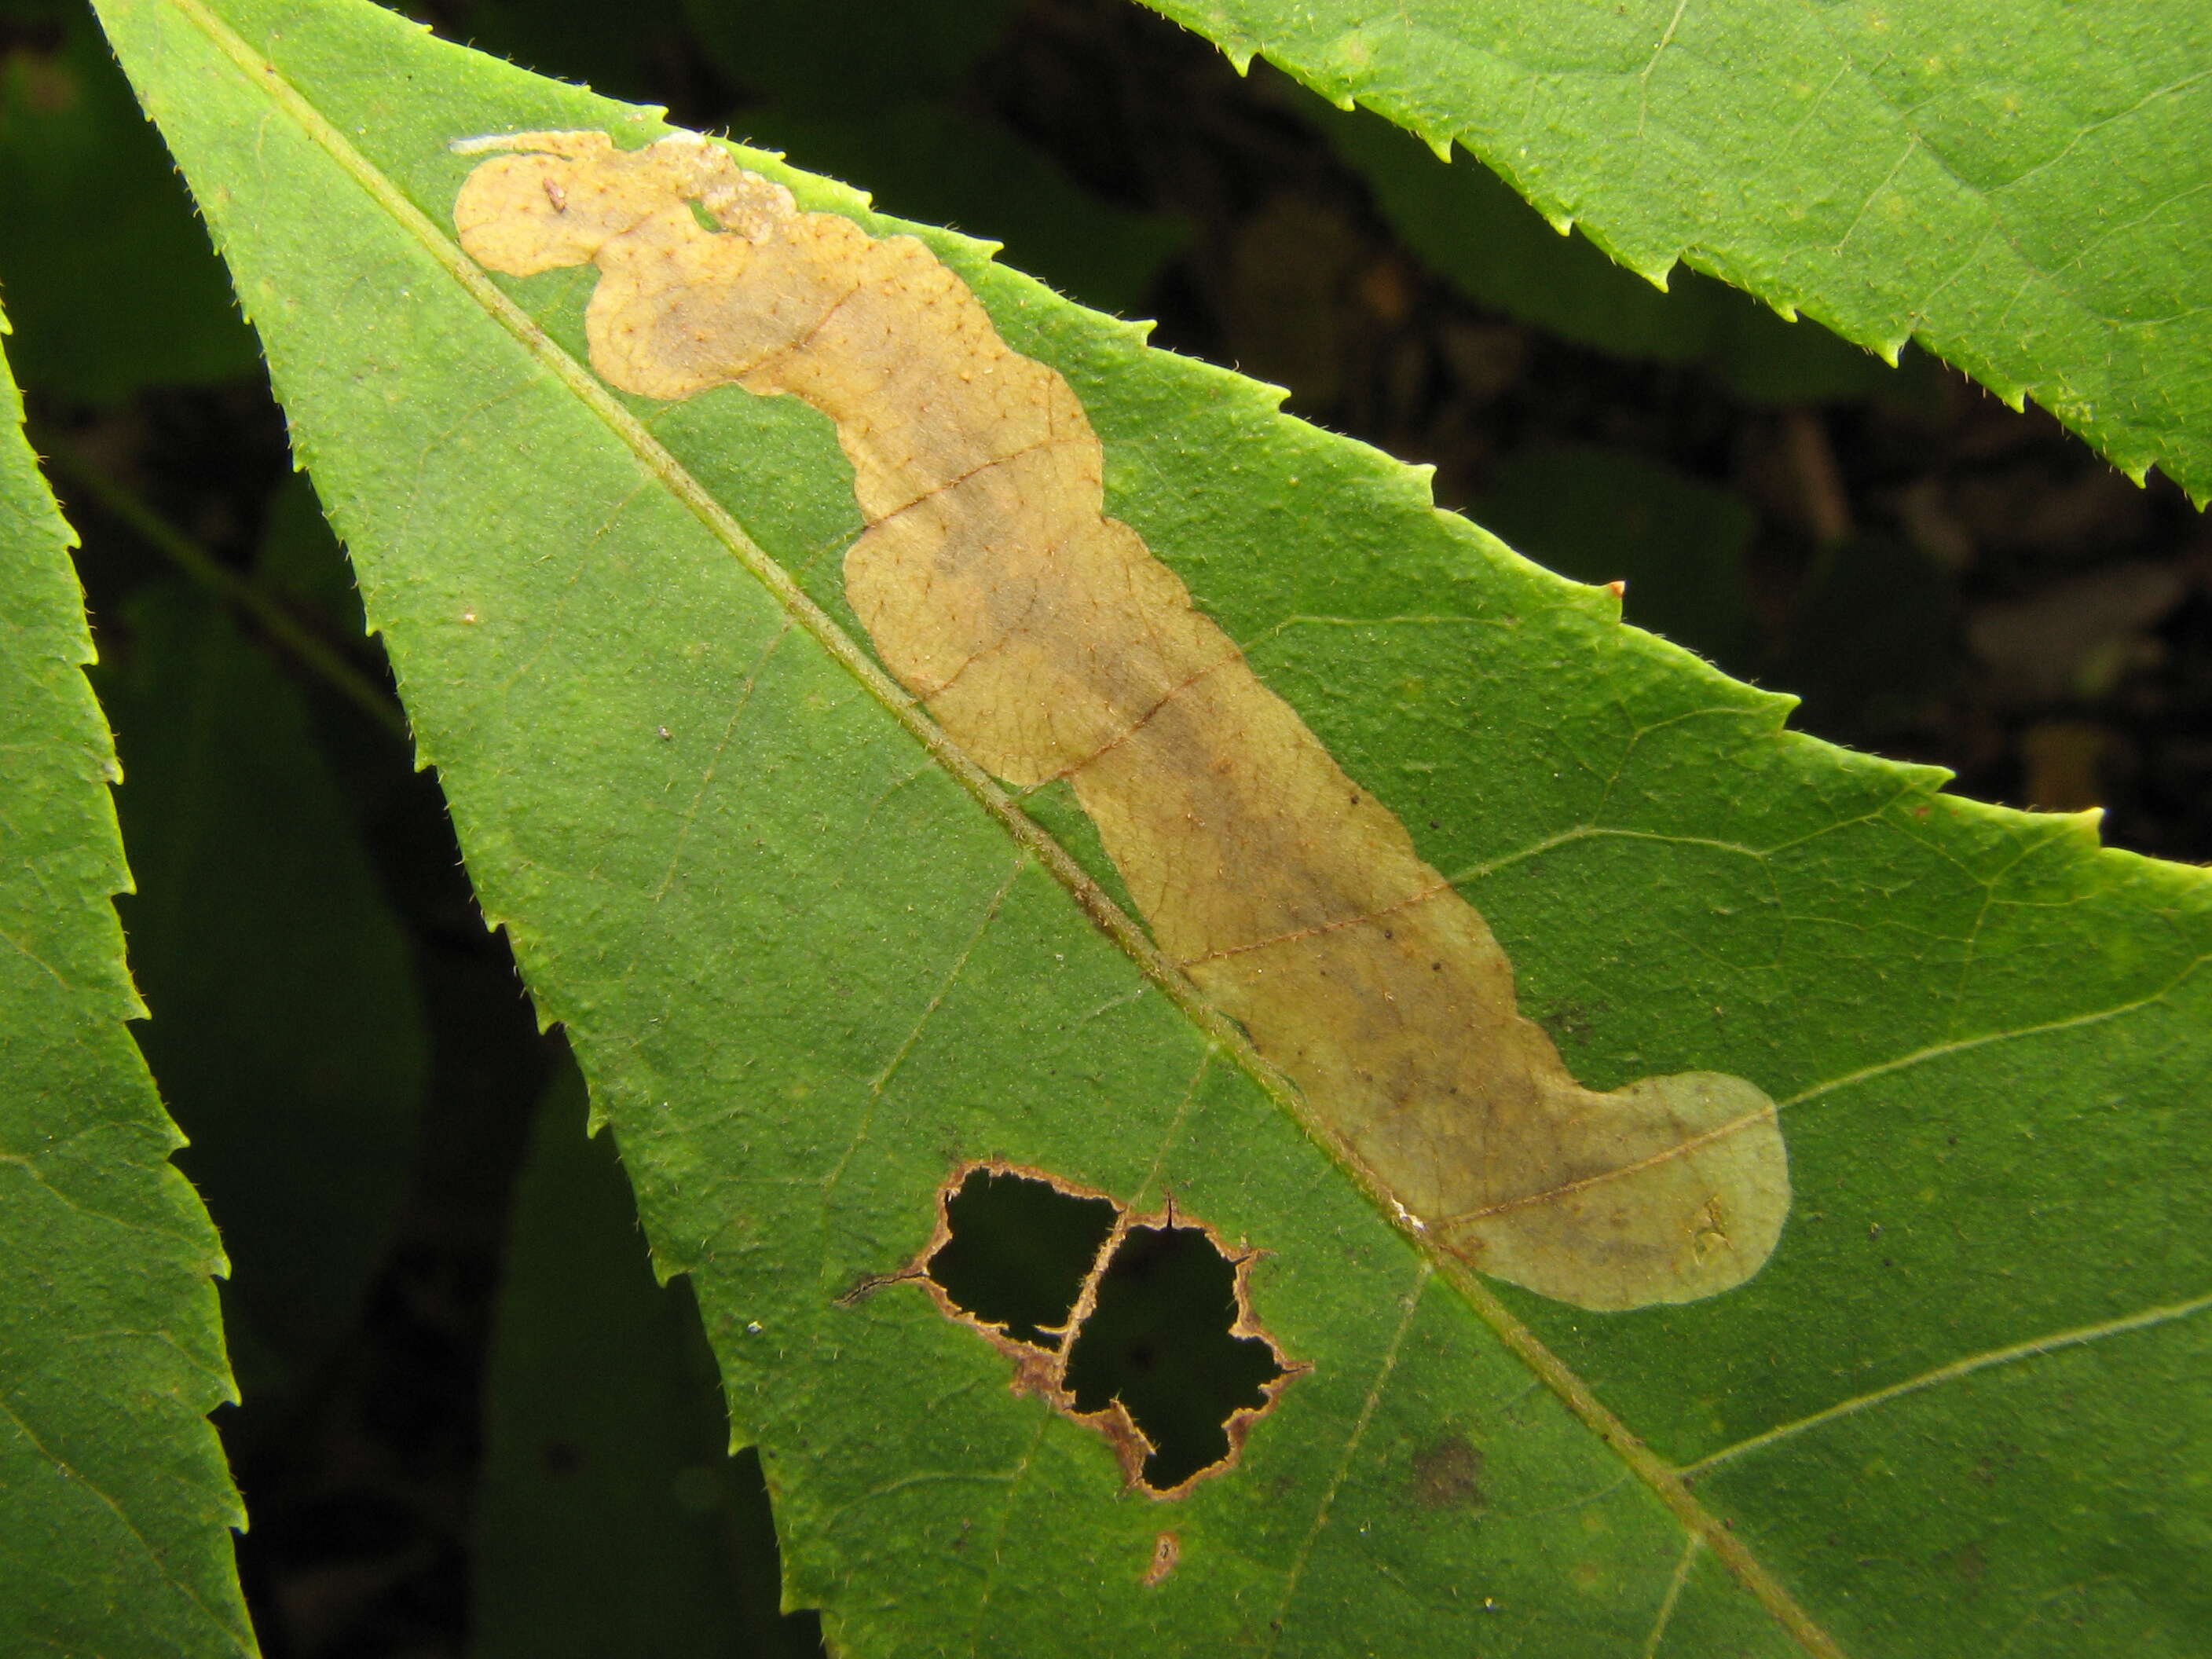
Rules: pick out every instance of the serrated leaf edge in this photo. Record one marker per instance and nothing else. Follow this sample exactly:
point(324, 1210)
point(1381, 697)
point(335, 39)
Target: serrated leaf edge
point(1026, 833)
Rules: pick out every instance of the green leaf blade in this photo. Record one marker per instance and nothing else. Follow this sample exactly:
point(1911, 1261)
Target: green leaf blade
point(611, 1519)
point(2023, 201)
point(287, 1026)
point(807, 977)
point(126, 297)
point(118, 1503)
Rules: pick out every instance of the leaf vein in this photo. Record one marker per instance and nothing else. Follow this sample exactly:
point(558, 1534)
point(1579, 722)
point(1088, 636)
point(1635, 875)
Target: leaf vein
point(2034, 1348)
point(1382, 1372)
point(1962, 1045)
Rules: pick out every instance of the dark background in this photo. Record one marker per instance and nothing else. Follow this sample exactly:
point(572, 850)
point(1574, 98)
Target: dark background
point(436, 1370)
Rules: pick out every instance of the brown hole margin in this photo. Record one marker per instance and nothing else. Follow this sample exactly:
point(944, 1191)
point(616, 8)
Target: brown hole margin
point(1044, 1371)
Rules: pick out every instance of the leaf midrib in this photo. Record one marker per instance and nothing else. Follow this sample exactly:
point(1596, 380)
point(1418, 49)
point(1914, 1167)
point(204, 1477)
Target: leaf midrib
point(1572, 1390)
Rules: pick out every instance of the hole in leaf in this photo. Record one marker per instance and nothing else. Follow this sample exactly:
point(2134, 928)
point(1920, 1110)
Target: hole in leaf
point(1019, 1252)
point(1159, 1338)
point(1140, 1329)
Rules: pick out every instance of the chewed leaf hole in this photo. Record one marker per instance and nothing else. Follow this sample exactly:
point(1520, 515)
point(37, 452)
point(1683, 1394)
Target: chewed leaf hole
point(1160, 1339)
point(1139, 1328)
point(1019, 1251)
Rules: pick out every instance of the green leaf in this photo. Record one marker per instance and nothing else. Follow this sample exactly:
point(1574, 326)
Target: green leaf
point(874, 89)
point(613, 1519)
point(936, 160)
point(118, 1503)
point(866, 89)
point(1467, 224)
point(111, 282)
point(814, 962)
point(2024, 193)
point(1603, 515)
point(286, 1029)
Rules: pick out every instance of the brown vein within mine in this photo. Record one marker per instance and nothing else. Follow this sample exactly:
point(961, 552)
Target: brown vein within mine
point(1061, 646)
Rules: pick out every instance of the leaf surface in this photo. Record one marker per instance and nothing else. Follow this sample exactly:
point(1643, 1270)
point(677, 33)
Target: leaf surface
point(130, 296)
point(612, 1519)
point(118, 1504)
point(2024, 194)
point(286, 1028)
point(813, 963)
point(1469, 226)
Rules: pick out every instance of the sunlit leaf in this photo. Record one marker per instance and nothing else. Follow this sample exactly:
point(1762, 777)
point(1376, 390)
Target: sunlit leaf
point(816, 967)
point(117, 1507)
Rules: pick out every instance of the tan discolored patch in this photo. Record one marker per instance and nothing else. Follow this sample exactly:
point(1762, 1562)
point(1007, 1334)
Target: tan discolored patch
point(1042, 1368)
point(1049, 643)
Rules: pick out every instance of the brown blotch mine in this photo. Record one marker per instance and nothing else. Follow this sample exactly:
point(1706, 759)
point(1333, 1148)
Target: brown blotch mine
point(1042, 1371)
point(1049, 643)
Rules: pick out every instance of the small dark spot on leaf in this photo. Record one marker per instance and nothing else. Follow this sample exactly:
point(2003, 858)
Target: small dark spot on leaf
point(1167, 1550)
point(1566, 1023)
point(1998, 1460)
point(1969, 1562)
point(1448, 1475)
point(559, 1457)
